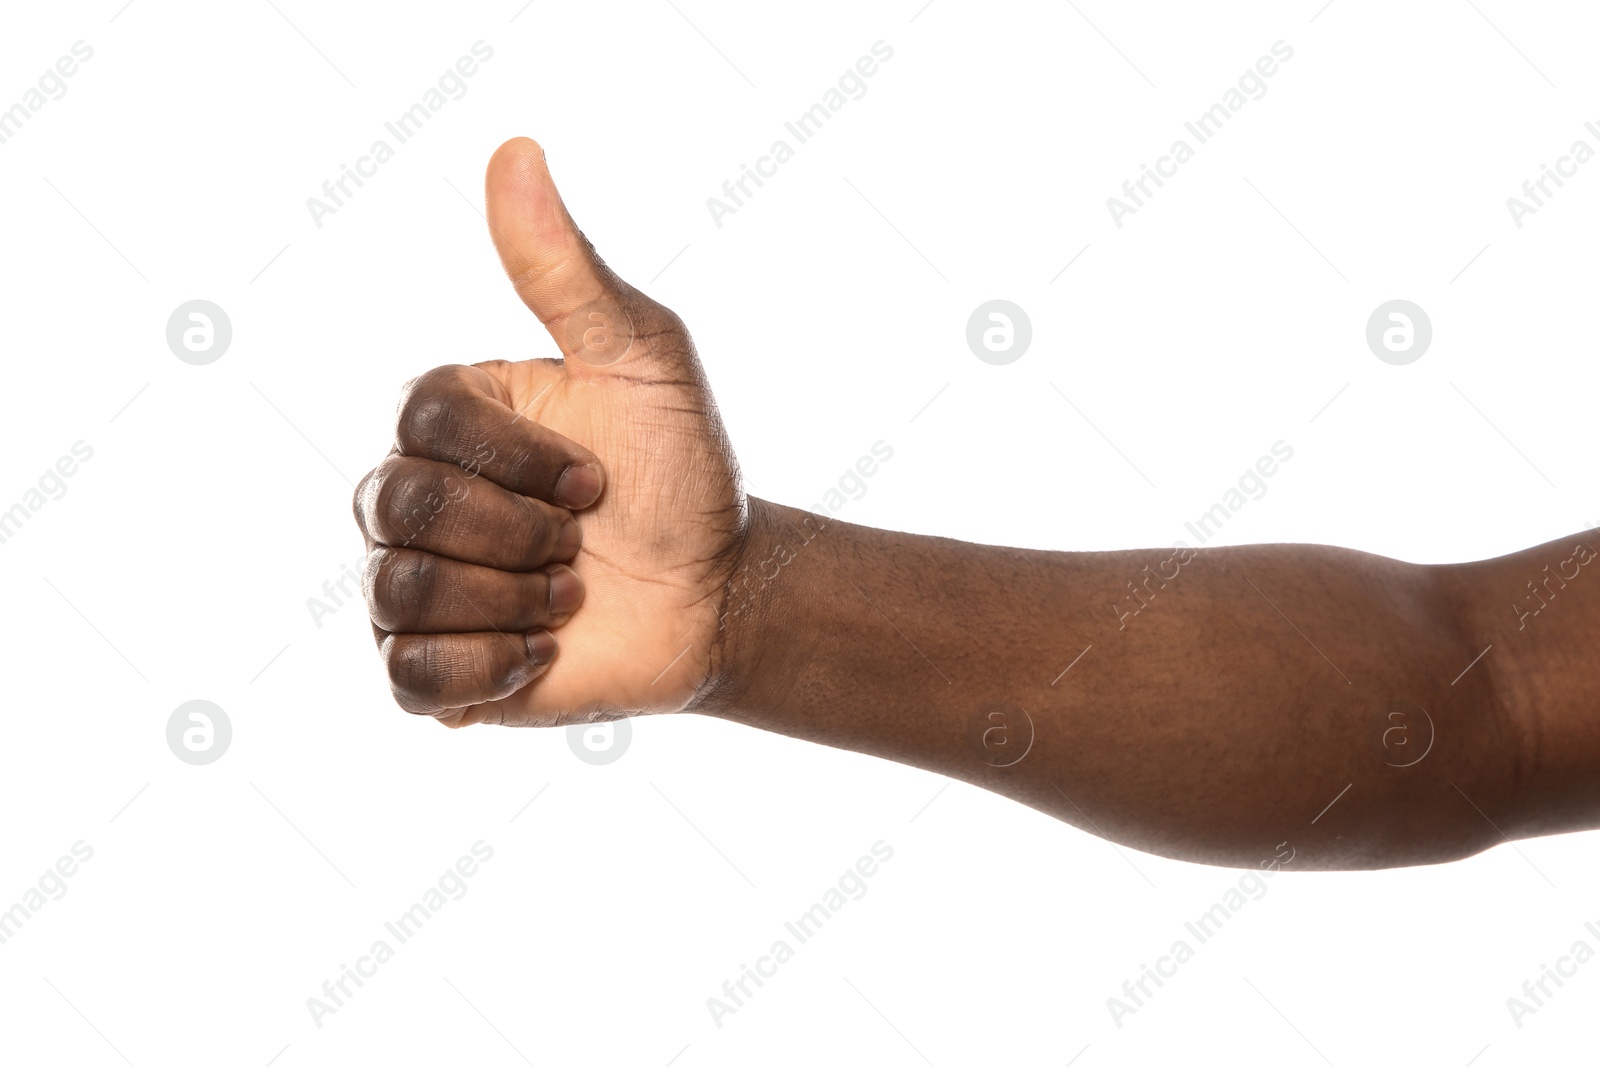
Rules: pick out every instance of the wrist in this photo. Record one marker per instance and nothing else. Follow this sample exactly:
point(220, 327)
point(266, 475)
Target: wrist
point(762, 597)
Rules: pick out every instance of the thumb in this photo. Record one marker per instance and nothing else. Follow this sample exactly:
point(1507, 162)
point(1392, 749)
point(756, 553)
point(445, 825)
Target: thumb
point(594, 316)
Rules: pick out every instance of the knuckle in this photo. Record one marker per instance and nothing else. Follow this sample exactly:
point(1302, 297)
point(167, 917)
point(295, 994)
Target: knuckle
point(535, 531)
point(409, 498)
point(534, 602)
point(402, 587)
point(434, 674)
point(425, 422)
point(411, 705)
point(416, 672)
point(358, 499)
point(521, 464)
point(372, 572)
point(656, 319)
point(493, 366)
point(521, 603)
point(665, 320)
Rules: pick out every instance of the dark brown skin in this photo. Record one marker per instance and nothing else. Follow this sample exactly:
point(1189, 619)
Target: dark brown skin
point(559, 541)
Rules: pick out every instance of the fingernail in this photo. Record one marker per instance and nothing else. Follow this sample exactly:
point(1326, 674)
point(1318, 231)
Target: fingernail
point(568, 540)
point(580, 486)
point(566, 590)
point(541, 646)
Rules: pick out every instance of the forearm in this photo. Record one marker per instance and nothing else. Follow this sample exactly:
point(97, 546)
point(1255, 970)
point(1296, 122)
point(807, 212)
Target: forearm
point(1217, 701)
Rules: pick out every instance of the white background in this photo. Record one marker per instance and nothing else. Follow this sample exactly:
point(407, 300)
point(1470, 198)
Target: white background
point(830, 310)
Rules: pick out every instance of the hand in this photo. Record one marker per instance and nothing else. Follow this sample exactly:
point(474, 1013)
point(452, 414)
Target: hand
point(502, 470)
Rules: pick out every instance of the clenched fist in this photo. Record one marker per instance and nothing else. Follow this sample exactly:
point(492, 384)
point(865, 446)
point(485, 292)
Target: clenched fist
point(550, 541)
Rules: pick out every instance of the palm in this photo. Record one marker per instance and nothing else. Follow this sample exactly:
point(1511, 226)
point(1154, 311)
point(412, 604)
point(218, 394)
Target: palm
point(657, 547)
